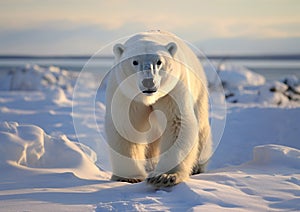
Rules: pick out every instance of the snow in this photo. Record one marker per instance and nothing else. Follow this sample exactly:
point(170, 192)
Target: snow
point(33, 77)
point(30, 148)
point(45, 166)
point(238, 77)
point(245, 87)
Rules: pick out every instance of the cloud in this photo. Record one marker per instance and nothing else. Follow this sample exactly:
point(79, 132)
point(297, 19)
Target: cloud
point(81, 39)
point(238, 45)
point(223, 18)
point(61, 26)
point(87, 39)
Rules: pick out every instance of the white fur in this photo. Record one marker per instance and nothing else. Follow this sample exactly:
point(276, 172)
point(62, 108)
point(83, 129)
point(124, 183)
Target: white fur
point(134, 126)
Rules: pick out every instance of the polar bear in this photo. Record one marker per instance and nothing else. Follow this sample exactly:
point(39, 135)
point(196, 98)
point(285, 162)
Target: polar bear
point(157, 111)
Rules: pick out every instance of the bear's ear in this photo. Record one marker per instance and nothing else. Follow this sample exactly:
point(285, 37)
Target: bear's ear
point(118, 50)
point(172, 48)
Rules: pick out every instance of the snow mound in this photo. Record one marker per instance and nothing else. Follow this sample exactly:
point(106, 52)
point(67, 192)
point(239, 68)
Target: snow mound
point(29, 147)
point(34, 77)
point(237, 77)
point(276, 155)
point(249, 127)
point(291, 81)
point(246, 87)
point(273, 93)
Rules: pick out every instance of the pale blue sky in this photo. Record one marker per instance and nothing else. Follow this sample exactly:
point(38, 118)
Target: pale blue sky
point(82, 27)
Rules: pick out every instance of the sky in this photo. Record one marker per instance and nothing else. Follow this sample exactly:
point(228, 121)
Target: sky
point(83, 27)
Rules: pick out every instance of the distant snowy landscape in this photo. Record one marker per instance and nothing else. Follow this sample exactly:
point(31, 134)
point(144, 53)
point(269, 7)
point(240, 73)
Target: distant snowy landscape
point(44, 166)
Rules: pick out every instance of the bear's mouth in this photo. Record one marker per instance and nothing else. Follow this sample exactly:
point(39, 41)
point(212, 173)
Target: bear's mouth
point(149, 91)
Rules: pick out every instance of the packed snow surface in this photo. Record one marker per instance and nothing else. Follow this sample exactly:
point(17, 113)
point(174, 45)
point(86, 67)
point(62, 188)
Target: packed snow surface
point(45, 167)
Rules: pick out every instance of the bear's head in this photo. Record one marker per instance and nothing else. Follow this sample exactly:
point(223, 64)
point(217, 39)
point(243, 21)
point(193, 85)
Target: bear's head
point(151, 67)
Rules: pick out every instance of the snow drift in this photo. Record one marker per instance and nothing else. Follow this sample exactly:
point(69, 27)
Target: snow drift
point(276, 155)
point(238, 77)
point(34, 77)
point(29, 147)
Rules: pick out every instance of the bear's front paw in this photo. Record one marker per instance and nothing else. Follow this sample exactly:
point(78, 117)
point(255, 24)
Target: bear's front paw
point(163, 180)
point(127, 180)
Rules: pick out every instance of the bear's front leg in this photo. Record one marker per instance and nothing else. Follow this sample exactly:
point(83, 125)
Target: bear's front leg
point(174, 176)
point(126, 139)
point(127, 158)
point(178, 147)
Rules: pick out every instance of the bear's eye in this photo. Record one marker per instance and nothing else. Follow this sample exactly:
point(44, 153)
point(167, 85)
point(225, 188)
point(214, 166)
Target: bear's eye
point(135, 63)
point(158, 62)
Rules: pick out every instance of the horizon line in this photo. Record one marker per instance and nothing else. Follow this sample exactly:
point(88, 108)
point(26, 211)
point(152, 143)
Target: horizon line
point(233, 56)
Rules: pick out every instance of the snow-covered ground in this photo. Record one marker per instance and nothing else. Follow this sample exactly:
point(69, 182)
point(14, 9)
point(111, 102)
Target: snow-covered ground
point(44, 167)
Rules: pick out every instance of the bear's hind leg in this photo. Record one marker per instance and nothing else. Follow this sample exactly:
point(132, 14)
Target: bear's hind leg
point(204, 152)
point(199, 168)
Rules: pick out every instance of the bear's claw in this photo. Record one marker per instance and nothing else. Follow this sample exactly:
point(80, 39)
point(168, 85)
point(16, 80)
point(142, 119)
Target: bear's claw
point(163, 180)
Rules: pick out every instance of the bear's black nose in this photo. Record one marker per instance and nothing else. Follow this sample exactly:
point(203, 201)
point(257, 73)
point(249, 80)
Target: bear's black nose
point(148, 83)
